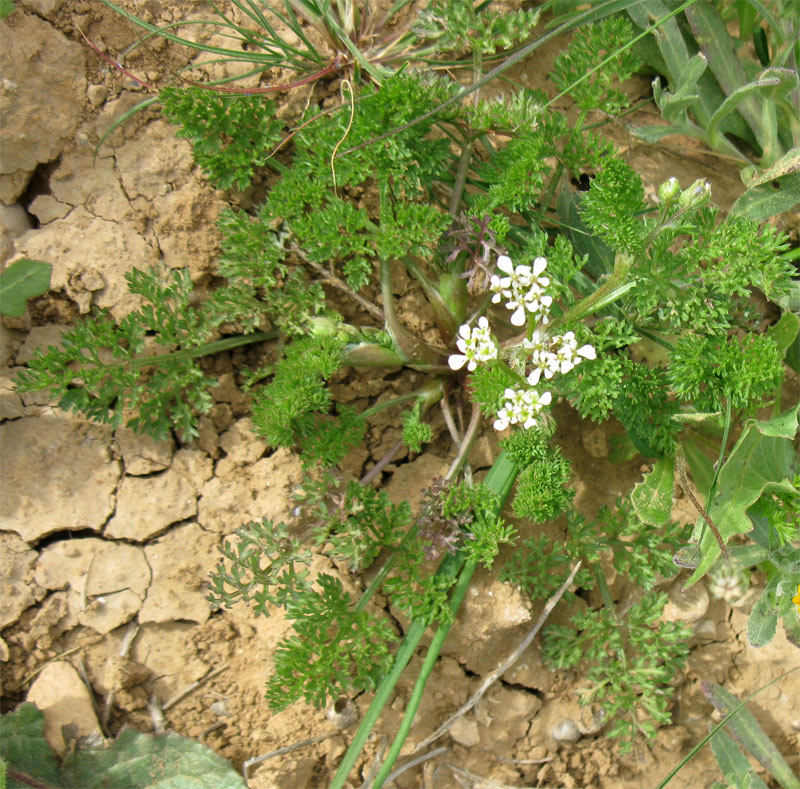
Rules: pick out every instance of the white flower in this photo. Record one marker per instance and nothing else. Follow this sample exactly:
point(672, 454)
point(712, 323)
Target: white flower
point(728, 583)
point(476, 345)
point(522, 406)
point(565, 348)
point(558, 354)
point(523, 289)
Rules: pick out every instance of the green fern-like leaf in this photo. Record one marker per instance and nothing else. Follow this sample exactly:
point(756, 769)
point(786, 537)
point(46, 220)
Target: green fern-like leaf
point(231, 135)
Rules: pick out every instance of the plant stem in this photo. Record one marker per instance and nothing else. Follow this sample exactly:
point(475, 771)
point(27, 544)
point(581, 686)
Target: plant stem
point(431, 657)
point(340, 284)
point(586, 306)
point(201, 350)
point(448, 568)
point(466, 443)
point(499, 480)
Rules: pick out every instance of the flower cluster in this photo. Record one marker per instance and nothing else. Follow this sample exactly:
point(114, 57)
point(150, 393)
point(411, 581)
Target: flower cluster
point(728, 582)
point(476, 345)
point(557, 354)
point(523, 287)
point(522, 407)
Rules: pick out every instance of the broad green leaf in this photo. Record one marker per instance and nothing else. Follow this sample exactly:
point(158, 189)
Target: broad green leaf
point(715, 41)
point(6, 7)
point(785, 331)
point(21, 281)
point(760, 462)
point(733, 763)
point(652, 134)
point(24, 748)
point(132, 761)
point(700, 465)
point(747, 731)
point(762, 202)
point(763, 619)
point(136, 760)
point(782, 426)
point(788, 163)
point(791, 625)
point(652, 497)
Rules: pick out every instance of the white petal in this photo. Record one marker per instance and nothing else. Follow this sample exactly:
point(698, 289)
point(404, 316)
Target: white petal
point(483, 322)
point(472, 365)
point(546, 301)
point(587, 351)
point(566, 367)
point(500, 424)
point(539, 265)
point(504, 264)
point(545, 398)
point(518, 318)
point(544, 281)
point(496, 298)
point(464, 331)
point(461, 344)
point(534, 377)
point(509, 393)
point(456, 361)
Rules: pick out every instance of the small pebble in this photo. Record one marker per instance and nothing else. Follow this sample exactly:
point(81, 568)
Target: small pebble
point(566, 731)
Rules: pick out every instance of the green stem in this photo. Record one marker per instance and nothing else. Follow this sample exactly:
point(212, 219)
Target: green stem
point(201, 350)
point(499, 480)
point(592, 302)
point(448, 568)
point(435, 648)
point(372, 410)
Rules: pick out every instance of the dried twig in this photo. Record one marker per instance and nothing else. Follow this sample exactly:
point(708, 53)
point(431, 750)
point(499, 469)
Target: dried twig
point(81, 668)
point(213, 727)
point(124, 651)
point(475, 780)
point(181, 695)
point(376, 764)
point(60, 656)
point(285, 749)
point(504, 666)
point(157, 714)
point(85, 584)
point(414, 762)
point(381, 464)
point(339, 284)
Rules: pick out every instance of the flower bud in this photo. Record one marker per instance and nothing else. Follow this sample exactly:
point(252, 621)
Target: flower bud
point(697, 194)
point(321, 326)
point(669, 190)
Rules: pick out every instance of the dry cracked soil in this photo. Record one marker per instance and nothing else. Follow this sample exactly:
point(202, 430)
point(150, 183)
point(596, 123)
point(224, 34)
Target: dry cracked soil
point(107, 538)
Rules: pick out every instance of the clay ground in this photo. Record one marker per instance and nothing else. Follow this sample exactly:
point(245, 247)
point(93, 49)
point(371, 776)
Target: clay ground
point(108, 538)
